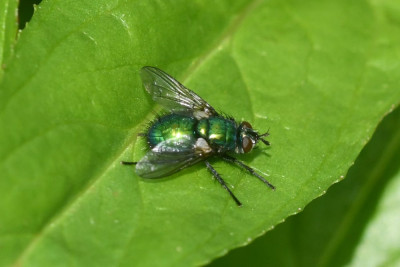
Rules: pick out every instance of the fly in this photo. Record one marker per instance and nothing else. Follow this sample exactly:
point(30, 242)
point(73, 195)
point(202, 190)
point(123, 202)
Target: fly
point(191, 132)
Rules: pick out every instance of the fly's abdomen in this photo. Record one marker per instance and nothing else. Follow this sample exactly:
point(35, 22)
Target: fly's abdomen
point(221, 133)
point(171, 126)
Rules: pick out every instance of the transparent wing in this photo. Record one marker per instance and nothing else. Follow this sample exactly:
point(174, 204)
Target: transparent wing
point(172, 156)
point(168, 92)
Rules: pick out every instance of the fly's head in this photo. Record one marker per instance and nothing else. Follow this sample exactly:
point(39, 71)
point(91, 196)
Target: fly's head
point(248, 138)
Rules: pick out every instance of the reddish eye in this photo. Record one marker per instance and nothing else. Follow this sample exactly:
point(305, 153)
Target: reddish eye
point(247, 144)
point(246, 124)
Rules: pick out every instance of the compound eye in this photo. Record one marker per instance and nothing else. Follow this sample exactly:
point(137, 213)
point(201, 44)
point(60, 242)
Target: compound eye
point(246, 124)
point(247, 144)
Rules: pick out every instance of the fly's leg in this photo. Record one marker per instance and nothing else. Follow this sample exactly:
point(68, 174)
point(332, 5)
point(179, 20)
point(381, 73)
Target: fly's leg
point(128, 163)
point(222, 182)
point(133, 162)
point(249, 169)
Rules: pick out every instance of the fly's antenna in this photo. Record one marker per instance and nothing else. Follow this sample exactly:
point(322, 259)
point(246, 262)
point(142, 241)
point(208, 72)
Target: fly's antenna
point(264, 134)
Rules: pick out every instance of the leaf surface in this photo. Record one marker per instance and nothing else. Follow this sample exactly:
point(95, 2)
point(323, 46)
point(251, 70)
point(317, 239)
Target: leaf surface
point(8, 32)
point(72, 105)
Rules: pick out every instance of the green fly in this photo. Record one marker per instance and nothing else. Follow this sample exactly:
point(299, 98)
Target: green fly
point(191, 132)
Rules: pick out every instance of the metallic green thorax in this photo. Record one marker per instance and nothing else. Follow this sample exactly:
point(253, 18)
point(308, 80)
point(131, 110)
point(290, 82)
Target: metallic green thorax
point(219, 132)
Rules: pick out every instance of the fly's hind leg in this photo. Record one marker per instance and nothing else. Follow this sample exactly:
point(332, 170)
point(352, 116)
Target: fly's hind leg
point(222, 182)
point(128, 162)
point(249, 169)
point(133, 162)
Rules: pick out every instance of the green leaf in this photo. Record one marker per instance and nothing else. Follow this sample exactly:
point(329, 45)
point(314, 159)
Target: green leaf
point(354, 224)
point(320, 75)
point(8, 32)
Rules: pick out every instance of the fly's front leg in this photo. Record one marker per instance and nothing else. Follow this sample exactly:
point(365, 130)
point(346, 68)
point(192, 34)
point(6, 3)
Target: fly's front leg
point(249, 169)
point(222, 182)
